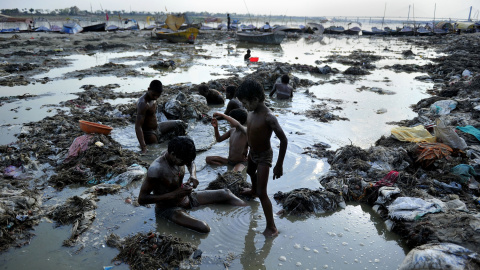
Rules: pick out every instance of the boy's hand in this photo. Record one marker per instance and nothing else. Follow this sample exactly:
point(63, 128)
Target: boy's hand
point(193, 182)
point(214, 122)
point(277, 172)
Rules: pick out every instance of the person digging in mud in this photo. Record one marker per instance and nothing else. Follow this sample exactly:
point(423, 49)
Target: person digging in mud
point(171, 196)
point(234, 103)
point(260, 125)
point(213, 96)
point(238, 145)
point(147, 129)
point(246, 57)
point(284, 91)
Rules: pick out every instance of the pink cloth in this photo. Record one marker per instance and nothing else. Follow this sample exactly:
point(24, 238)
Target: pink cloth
point(79, 145)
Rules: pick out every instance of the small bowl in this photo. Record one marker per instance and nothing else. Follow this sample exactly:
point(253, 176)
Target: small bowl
point(253, 59)
point(90, 127)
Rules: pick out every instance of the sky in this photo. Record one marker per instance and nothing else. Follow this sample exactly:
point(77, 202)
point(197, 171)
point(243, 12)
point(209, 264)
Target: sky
point(458, 9)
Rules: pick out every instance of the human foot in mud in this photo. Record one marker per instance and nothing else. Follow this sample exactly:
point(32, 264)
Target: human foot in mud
point(249, 193)
point(270, 232)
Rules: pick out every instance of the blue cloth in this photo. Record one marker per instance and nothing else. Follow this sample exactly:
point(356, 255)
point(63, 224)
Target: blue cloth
point(470, 130)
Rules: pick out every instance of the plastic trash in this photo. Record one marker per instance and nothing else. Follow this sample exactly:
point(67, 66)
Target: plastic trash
point(107, 267)
point(448, 136)
point(410, 209)
point(466, 73)
point(134, 172)
point(464, 171)
point(412, 134)
point(443, 107)
point(453, 187)
point(439, 257)
point(12, 172)
point(470, 130)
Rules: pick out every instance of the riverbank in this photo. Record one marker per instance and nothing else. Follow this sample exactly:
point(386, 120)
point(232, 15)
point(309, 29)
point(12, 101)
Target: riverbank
point(38, 160)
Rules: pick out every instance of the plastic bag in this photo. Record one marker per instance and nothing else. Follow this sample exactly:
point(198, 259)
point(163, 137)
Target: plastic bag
point(443, 107)
point(409, 208)
point(448, 136)
point(412, 134)
point(440, 256)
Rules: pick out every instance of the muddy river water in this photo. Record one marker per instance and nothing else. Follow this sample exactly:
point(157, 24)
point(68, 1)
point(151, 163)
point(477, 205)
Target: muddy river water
point(351, 238)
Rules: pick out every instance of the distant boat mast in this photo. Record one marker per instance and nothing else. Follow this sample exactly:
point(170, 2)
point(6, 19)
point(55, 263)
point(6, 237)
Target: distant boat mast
point(384, 10)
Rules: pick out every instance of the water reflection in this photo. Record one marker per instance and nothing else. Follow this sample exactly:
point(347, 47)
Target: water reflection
point(253, 258)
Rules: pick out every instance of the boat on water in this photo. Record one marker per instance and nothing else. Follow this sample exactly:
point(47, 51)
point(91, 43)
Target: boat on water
point(270, 38)
point(71, 28)
point(334, 30)
point(171, 30)
point(95, 27)
point(316, 27)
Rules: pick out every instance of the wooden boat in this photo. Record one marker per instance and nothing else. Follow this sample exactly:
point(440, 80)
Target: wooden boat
point(334, 30)
point(183, 36)
point(374, 31)
point(422, 31)
point(95, 28)
point(271, 38)
point(406, 31)
point(353, 30)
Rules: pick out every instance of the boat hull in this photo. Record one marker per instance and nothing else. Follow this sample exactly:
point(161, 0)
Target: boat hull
point(271, 38)
point(95, 28)
point(186, 36)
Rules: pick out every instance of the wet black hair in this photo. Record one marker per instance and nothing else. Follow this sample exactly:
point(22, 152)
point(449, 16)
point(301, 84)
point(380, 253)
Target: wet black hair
point(203, 88)
point(285, 78)
point(156, 86)
point(231, 90)
point(183, 148)
point(240, 115)
point(250, 89)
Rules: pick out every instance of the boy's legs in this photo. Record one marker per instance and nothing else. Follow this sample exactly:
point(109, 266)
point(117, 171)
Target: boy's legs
point(224, 196)
point(216, 160)
point(262, 181)
point(252, 172)
point(180, 217)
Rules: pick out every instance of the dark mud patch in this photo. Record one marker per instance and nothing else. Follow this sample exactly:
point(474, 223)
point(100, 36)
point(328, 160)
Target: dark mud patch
point(151, 250)
point(234, 181)
point(118, 70)
point(305, 202)
point(80, 212)
point(322, 112)
point(318, 150)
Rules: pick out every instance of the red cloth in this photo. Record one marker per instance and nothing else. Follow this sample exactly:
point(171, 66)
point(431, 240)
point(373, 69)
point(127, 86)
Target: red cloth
point(79, 145)
point(388, 180)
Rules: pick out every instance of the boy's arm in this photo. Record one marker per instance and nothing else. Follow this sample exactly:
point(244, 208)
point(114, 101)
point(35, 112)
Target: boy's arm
point(277, 129)
point(141, 109)
point(146, 197)
point(217, 133)
point(232, 121)
point(192, 169)
point(273, 90)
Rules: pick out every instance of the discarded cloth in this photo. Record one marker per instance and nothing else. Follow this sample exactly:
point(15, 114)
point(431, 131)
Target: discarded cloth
point(453, 187)
point(413, 134)
point(470, 130)
point(410, 209)
point(388, 180)
point(440, 256)
point(428, 153)
point(133, 173)
point(464, 171)
point(79, 145)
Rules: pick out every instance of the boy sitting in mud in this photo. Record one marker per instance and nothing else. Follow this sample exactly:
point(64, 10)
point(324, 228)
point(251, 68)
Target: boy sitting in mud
point(171, 196)
point(246, 57)
point(213, 96)
point(284, 91)
point(238, 145)
point(261, 123)
point(147, 129)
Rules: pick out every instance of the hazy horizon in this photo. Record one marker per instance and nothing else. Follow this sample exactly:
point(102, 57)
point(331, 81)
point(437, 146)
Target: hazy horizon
point(340, 8)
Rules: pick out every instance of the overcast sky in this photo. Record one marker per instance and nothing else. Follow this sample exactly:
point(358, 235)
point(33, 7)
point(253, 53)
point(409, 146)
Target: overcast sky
point(348, 8)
